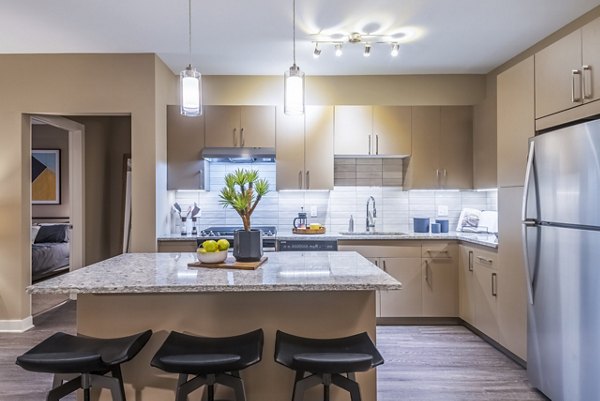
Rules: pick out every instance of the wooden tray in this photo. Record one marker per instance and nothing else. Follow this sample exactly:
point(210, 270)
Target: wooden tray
point(308, 230)
point(231, 263)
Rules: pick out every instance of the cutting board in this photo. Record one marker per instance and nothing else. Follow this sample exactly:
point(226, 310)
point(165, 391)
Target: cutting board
point(231, 263)
point(308, 230)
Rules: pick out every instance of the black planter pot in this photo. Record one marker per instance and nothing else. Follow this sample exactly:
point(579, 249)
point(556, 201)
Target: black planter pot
point(247, 245)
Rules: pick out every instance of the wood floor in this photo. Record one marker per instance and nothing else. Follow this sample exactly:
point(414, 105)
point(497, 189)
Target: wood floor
point(423, 363)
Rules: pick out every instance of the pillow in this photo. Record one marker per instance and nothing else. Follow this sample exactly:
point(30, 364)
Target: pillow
point(468, 220)
point(52, 233)
point(34, 232)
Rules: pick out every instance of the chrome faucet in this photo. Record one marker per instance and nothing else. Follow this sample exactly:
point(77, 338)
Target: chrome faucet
point(371, 216)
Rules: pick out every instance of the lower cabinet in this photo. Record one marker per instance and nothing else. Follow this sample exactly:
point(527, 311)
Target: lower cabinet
point(177, 245)
point(478, 295)
point(429, 284)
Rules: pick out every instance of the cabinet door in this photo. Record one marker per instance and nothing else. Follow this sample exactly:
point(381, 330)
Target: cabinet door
point(440, 287)
point(422, 171)
point(257, 127)
point(353, 130)
point(554, 80)
point(375, 261)
point(290, 151)
point(512, 302)
point(516, 121)
point(318, 150)
point(392, 130)
point(185, 140)
point(591, 58)
point(455, 144)
point(486, 301)
point(406, 302)
point(222, 126)
point(466, 280)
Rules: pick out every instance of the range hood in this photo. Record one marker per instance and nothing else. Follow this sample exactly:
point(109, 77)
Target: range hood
point(239, 155)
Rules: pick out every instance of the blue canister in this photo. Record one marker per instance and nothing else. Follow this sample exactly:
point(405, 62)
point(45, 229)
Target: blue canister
point(435, 228)
point(421, 224)
point(444, 225)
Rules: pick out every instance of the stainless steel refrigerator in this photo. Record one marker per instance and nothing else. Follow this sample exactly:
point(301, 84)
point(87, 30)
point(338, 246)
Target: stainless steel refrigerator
point(561, 235)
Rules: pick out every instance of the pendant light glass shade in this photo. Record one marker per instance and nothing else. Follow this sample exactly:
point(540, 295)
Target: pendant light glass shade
point(191, 92)
point(293, 91)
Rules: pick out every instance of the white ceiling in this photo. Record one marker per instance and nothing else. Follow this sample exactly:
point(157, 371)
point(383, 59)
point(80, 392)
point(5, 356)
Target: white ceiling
point(254, 37)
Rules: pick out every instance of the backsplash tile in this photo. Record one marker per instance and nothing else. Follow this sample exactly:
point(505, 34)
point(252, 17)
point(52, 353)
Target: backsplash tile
point(395, 207)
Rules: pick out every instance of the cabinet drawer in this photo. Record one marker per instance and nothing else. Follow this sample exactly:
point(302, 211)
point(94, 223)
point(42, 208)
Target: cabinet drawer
point(485, 259)
point(177, 246)
point(383, 249)
point(439, 249)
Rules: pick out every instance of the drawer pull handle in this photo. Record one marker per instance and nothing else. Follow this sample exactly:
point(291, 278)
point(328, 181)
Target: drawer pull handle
point(494, 284)
point(484, 260)
point(384, 267)
point(470, 261)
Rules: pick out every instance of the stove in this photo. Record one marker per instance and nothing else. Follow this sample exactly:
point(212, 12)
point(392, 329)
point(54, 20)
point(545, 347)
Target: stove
point(226, 232)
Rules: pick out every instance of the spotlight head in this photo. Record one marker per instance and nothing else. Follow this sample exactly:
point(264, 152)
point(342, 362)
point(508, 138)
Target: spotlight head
point(395, 50)
point(317, 51)
point(367, 51)
point(338, 50)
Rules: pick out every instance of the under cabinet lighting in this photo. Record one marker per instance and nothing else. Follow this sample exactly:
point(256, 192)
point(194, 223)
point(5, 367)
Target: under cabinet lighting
point(338, 50)
point(395, 50)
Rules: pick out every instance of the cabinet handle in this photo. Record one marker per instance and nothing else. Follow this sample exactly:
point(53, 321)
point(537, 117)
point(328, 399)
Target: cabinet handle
point(242, 140)
point(376, 263)
point(575, 73)
point(300, 179)
point(201, 174)
point(587, 82)
point(307, 179)
point(445, 172)
point(427, 272)
point(470, 261)
point(484, 260)
point(376, 144)
point(384, 267)
point(429, 251)
point(494, 284)
point(234, 137)
point(369, 144)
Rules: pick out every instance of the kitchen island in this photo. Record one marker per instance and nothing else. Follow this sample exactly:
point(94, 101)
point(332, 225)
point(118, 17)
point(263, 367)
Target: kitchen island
point(313, 294)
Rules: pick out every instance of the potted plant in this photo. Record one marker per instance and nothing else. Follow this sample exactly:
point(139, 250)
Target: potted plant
point(243, 190)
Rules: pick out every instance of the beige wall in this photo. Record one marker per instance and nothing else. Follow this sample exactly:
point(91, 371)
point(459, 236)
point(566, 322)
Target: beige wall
point(48, 137)
point(71, 85)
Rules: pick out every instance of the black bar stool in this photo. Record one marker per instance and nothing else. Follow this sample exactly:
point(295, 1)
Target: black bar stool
point(83, 362)
point(211, 360)
point(326, 360)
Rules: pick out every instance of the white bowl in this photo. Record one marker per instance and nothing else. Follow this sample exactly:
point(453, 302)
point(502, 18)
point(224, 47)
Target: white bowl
point(212, 257)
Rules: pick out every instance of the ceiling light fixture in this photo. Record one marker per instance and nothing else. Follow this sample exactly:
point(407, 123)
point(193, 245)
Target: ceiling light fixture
point(190, 80)
point(338, 50)
point(367, 40)
point(293, 96)
point(317, 51)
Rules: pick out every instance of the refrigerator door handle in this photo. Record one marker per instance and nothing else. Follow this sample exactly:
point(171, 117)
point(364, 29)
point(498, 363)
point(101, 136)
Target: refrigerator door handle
point(524, 227)
point(528, 171)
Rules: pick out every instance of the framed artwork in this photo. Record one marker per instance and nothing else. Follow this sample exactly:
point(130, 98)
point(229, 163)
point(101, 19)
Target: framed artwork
point(45, 176)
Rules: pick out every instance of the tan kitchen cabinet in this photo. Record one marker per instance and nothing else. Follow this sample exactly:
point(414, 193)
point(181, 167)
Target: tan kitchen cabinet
point(372, 131)
point(566, 71)
point(304, 149)
point(442, 148)
point(439, 279)
point(466, 284)
point(177, 245)
point(240, 126)
point(401, 260)
point(516, 121)
point(185, 141)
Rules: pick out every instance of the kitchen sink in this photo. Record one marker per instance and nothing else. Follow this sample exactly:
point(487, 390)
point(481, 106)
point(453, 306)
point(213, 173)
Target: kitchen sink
point(373, 233)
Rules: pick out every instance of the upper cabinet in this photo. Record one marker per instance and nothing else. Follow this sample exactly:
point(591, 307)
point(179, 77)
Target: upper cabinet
point(442, 148)
point(372, 130)
point(516, 121)
point(185, 140)
point(565, 71)
point(304, 149)
point(240, 126)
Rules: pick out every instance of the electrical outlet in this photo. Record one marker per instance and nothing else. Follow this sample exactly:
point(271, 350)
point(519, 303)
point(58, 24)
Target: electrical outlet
point(313, 211)
point(442, 211)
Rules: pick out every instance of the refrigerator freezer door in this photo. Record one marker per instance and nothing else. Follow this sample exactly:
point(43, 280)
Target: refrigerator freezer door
point(567, 175)
point(564, 320)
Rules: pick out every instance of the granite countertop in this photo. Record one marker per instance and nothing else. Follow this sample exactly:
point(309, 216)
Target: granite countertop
point(137, 273)
point(488, 240)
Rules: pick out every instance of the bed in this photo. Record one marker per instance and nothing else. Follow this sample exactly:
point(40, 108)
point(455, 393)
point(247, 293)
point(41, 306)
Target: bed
point(50, 250)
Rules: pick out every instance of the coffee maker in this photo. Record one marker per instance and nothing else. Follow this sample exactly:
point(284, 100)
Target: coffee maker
point(301, 222)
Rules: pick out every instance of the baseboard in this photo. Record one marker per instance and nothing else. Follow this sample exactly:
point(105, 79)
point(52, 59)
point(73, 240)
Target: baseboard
point(16, 326)
point(418, 321)
point(495, 344)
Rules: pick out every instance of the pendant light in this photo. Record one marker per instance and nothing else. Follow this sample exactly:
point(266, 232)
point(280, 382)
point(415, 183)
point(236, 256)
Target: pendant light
point(190, 80)
point(293, 102)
